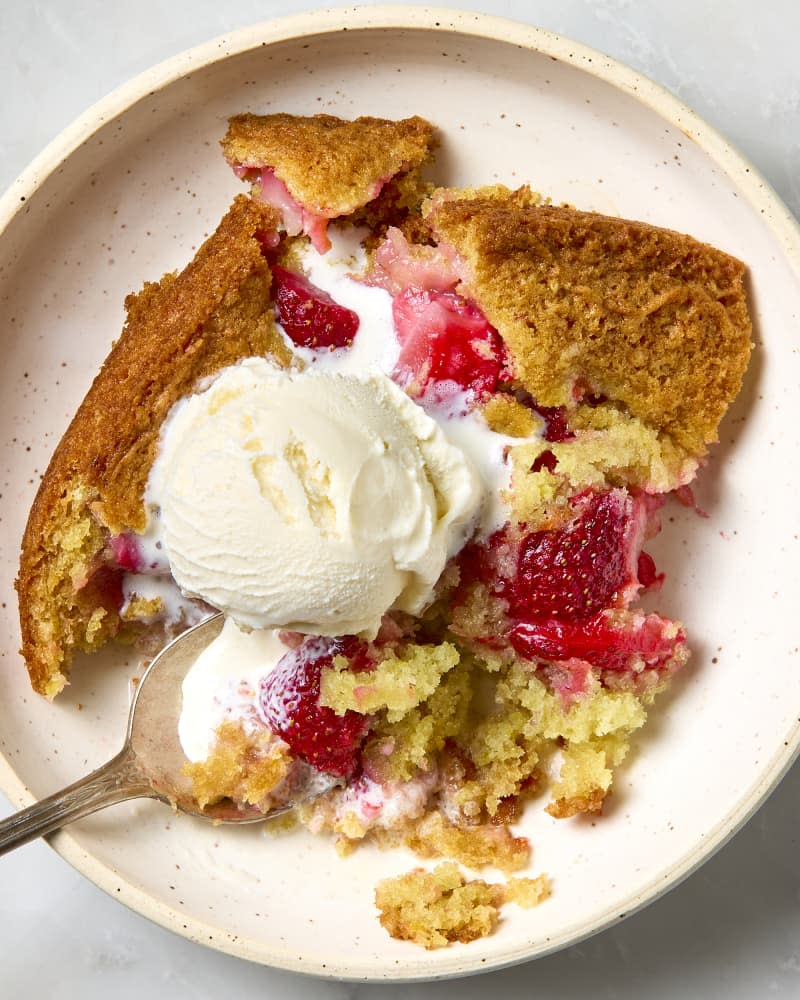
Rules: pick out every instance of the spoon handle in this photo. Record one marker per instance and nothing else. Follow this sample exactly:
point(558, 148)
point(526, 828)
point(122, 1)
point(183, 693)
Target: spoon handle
point(116, 781)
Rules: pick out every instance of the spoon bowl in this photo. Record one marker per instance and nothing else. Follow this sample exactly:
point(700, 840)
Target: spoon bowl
point(151, 762)
point(153, 727)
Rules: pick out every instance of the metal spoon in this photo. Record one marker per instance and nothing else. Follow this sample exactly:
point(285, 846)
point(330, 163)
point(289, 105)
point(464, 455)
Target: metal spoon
point(151, 762)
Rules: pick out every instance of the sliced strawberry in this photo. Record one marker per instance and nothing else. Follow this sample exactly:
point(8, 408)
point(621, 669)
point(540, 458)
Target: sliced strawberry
point(576, 571)
point(397, 264)
point(447, 345)
point(289, 702)
point(127, 552)
point(273, 191)
point(556, 426)
point(546, 460)
point(295, 218)
point(310, 316)
point(649, 577)
point(568, 573)
point(612, 640)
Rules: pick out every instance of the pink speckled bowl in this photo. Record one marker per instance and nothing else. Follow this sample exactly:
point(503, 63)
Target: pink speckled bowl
point(130, 190)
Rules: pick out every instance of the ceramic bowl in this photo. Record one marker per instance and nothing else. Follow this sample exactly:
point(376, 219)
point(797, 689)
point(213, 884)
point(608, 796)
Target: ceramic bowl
point(130, 191)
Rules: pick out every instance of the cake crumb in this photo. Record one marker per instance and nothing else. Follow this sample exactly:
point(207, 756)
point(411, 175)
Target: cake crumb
point(239, 767)
point(528, 892)
point(435, 908)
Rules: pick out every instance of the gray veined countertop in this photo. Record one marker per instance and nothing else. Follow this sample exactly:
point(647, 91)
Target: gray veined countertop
point(732, 930)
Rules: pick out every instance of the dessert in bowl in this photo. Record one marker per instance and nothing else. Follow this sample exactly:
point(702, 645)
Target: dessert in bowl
point(413, 443)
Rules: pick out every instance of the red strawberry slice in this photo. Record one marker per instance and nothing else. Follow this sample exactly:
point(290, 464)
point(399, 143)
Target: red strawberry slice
point(574, 572)
point(447, 345)
point(545, 460)
point(289, 702)
point(556, 425)
point(127, 552)
point(649, 577)
point(131, 555)
point(310, 317)
point(569, 573)
point(397, 265)
point(612, 640)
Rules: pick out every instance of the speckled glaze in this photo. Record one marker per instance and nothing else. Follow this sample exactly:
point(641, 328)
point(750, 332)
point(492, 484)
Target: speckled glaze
point(130, 191)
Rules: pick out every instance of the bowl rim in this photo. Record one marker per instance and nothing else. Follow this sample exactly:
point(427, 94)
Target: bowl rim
point(752, 185)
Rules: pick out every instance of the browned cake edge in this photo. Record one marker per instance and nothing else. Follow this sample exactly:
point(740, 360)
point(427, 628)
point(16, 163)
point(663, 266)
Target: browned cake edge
point(654, 319)
point(329, 165)
point(178, 331)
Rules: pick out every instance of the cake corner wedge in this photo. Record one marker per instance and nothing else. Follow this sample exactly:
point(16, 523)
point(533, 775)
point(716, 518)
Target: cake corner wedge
point(317, 168)
point(652, 319)
point(178, 330)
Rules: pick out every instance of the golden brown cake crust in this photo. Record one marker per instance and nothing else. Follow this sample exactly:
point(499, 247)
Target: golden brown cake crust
point(648, 317)
point(178, 330)
point(329, 165)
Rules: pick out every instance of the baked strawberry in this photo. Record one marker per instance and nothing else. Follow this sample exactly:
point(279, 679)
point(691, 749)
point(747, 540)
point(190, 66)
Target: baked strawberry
point(447, 345)
point(556, 426)
point(127, 553)
point(131, 555)
point(545, 460)
point(575, 571)
point(612, 640)
point(397, 265)
point(649, 577)
point(309, 315)
point(289, 702)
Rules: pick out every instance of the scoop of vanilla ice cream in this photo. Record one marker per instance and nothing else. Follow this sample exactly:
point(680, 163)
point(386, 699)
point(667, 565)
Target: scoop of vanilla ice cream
point(310, 501)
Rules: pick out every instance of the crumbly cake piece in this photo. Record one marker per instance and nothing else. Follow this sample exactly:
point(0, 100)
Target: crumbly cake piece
point(398, 684)
point(330, 166)
point(527, 892)
point(436, 908)
point(243, 766)
point(476, 846)
point(645, 316)
point(484, 735)
point(178, 331)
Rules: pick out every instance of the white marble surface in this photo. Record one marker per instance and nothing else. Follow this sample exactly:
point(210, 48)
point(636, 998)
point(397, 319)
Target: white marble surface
point(733, 929)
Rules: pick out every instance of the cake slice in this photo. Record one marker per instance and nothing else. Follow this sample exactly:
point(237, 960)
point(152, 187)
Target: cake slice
point(590, 305)
point(319, 168)
point(178, 331)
